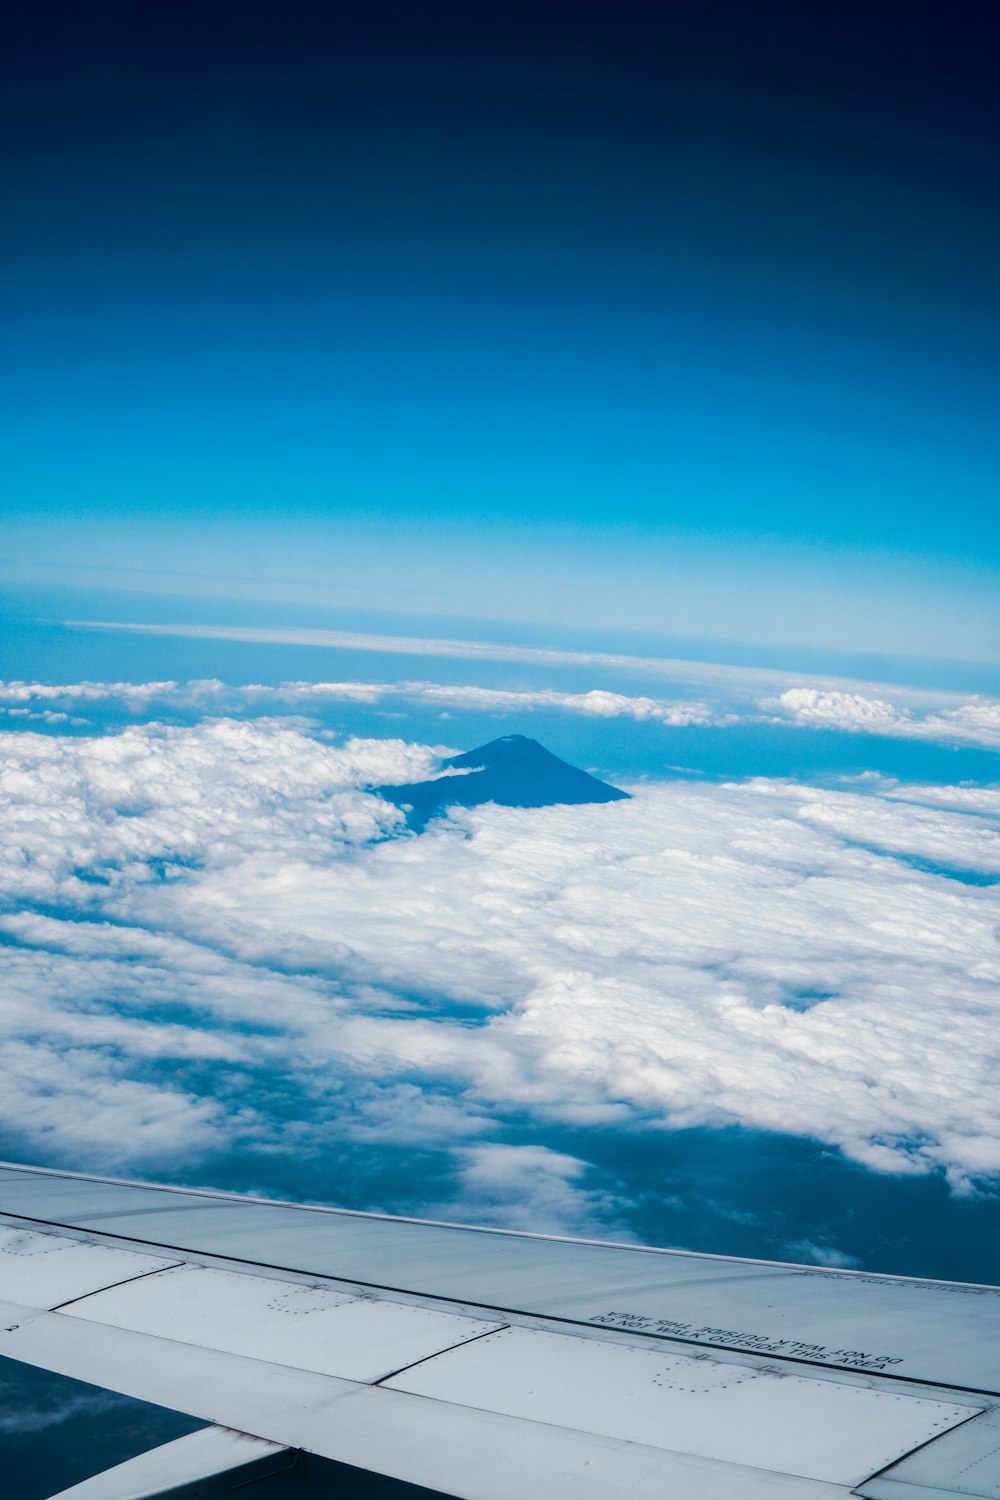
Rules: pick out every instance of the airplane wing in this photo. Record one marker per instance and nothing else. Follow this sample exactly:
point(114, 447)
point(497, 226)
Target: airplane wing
point(487, 1364)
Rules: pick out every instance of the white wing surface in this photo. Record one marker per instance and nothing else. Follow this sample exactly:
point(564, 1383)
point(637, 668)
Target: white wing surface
point(486, 1364)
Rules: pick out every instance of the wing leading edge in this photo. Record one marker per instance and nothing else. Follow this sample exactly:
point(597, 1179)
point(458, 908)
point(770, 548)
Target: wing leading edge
point(482, 1363)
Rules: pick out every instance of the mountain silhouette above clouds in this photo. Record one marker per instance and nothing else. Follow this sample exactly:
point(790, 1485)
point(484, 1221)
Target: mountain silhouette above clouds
point(513, 771)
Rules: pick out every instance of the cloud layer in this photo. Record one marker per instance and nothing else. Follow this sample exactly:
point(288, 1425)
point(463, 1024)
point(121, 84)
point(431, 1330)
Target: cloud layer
point(213, 936)
point(703, 694)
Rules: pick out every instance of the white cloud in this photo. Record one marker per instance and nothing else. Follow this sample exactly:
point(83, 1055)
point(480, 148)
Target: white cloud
point(223, 897)
point(839, 709)
point(963, 798)
point(973, 722)
point(650, 957)
point(896, 825)
point(139, 693)
point(39, 716)
point(74, 1102)
point(109, 807)
point(532, 1188)
point(598, 703)
point(215, 696)
point(306, 692)
point(705, 693)
point(808, 1252)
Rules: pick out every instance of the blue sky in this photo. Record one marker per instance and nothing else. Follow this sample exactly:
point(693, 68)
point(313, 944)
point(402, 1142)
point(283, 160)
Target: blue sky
point(690, 326)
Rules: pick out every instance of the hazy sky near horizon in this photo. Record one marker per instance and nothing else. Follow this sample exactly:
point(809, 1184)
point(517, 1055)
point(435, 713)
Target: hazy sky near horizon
point(680, 318)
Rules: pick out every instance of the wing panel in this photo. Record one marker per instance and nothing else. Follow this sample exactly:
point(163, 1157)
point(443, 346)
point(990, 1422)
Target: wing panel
point(741, 1413)
point(45, 1270)
point(310, 1327)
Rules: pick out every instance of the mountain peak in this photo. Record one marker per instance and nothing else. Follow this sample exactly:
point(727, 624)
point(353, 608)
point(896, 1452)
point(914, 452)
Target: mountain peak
point(513, 771)
point(509, 750)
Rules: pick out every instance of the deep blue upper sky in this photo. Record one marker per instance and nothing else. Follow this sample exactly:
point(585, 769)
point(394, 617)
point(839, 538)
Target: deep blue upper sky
point(645, 314)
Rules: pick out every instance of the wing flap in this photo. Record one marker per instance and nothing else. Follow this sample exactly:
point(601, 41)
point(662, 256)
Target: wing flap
point(456, 1450)
point(747, 1414)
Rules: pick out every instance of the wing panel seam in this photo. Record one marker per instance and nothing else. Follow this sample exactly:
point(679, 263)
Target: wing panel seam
point(440, 1353)
point(125, 1281)
point(886, 1471)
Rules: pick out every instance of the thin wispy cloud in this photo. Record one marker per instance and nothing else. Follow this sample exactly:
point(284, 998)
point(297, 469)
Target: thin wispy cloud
point(352, 640)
